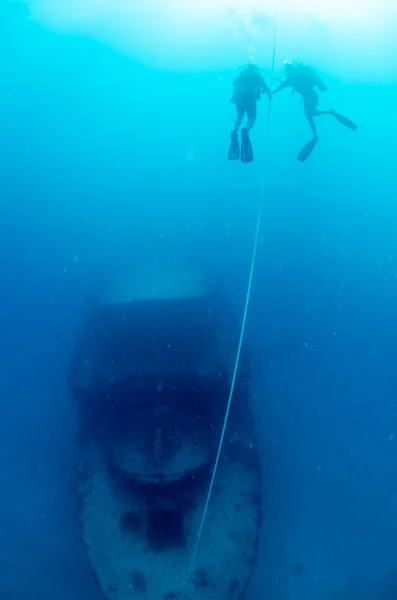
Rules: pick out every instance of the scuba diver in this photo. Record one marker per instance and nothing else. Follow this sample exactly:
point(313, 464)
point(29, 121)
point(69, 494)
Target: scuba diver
point(303, 80)
point(248, 88)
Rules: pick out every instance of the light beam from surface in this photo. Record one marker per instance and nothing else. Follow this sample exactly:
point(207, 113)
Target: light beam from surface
point(357, 37)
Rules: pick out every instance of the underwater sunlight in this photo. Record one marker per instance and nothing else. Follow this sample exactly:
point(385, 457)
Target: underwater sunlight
point(355, 39)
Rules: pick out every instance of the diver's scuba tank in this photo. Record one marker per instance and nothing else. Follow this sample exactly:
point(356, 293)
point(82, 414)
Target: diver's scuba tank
point(318, 82)
point(304, 72)
point(311, 74)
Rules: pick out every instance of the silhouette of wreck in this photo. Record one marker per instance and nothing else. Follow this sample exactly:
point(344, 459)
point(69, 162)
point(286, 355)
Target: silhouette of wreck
point(151, 374)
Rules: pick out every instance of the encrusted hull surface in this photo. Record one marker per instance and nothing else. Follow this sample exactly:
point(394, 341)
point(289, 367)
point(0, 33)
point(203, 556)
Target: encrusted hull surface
point(126, 564)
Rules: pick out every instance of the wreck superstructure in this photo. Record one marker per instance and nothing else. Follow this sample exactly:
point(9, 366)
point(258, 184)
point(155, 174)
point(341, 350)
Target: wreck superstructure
point(151, 374)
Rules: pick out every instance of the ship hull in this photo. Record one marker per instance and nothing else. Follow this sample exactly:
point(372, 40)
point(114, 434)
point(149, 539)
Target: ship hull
point(126, 562)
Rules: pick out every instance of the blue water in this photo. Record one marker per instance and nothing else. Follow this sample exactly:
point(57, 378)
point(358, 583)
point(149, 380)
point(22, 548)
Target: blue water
point(106, 162)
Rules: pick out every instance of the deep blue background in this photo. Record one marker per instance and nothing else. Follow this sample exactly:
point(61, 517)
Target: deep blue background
point(95, 175)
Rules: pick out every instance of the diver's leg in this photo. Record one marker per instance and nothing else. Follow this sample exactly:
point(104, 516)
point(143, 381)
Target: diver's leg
point(308, 148)
point(240, 116)
point(318, 113)
point(330, 111)
point(343, 120)
point(251, 115)
point(310, 118)
point(310, 104)
point(247, 154)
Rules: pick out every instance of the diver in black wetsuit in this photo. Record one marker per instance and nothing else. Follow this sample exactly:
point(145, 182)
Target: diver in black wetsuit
point(303, 80)
point(248, 88)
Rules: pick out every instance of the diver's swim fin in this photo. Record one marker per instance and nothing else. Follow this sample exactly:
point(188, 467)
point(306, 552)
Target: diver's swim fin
point(346, 122)
point(234, 148)
point(307, 150)
point(247, 155)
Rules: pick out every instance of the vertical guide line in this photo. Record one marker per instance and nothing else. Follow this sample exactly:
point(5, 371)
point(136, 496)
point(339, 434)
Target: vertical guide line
point(244, 319)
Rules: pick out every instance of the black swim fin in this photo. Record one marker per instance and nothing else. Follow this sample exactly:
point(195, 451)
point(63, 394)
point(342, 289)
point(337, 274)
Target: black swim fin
point(234, 148)
point(307, 150)
point(247, 154)
point(346, 122)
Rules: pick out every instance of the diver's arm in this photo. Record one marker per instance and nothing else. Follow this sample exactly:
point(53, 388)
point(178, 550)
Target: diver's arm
point(282, 86)
point(266, 90)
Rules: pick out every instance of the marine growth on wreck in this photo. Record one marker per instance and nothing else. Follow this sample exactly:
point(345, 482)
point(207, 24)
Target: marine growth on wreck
point(151, 375)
